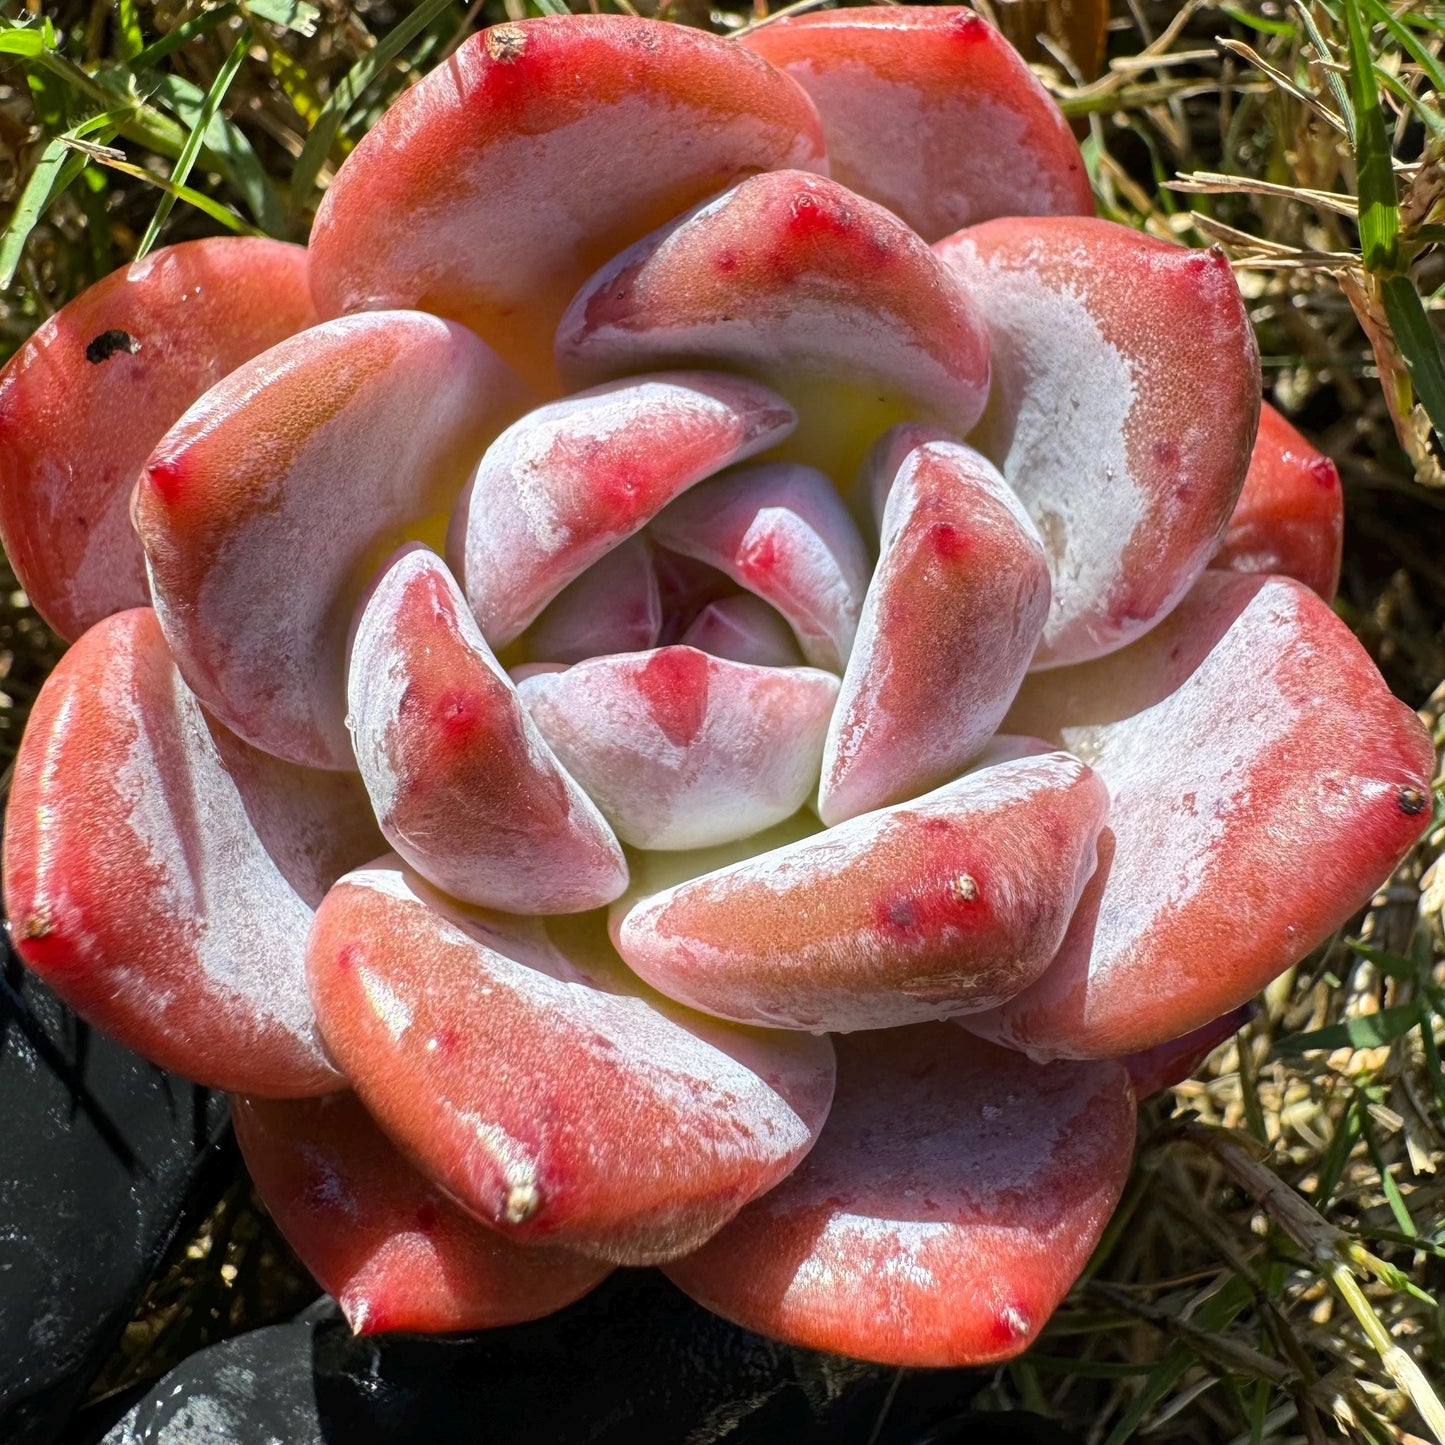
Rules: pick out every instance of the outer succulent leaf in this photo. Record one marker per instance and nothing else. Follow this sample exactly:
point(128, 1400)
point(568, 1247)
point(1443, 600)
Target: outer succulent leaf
point(1290, 517)
point(267, 506)
point(96, 387)
point(1264, 783)
point(392, 1250)
point(558, 1101)
point(1174, 1060)
point(1127, 447)
point(462, 783)
point(683, 750)
point(160, 874)
point(614, 606)
point(949, 625)
point(927, 910)
point(492, 189)
point(745, 629)
point(932, 113)
point(780, 530)
point(568, 482)
point(796, 280)
point(953, 1198)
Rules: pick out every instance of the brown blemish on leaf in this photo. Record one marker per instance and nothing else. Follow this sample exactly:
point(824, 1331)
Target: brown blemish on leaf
point(104, 346)
point(37, 924)
point(1412, 800)
point(506, 43)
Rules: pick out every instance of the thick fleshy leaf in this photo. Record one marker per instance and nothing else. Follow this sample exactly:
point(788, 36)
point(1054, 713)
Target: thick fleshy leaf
point(683, 750)
point(392, 1250)
point(463, 785)
point(1290, 517)
point(569, 481)
point(949, 626)
point(160, 874)
point(1174, 1060)
point(745, 629)
point(1127, 445)
point(96, 387)
point(780, 530)
point(952, 1200)
point(932, 113)
point(614, 606)
point(558, 1100)
point(492, 189)
point(928, 910)
point(268, 505)
point(795, 280)
point(1264, 783)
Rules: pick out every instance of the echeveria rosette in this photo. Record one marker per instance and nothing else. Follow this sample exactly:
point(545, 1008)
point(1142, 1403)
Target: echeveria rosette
point(785, 581)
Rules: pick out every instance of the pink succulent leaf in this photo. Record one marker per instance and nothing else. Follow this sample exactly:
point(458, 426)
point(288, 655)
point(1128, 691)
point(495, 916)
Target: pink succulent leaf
point(792, 278)
point(614, 606)
point(492, 189)
point(266, 508)
point(1127, 448)
point(563, 486)
point(744, 629)
point(463, 785)
point(782, 531)
point(683, 750)
point(160, 874)
point(932, 113)
point(87, 397)
point(934, 908)
point(521, 1080)
point(394, 1252)
point(1173, 1061)
point(949, 625)
point(1290, 517)
point(1264, 781)
point(952, 1199)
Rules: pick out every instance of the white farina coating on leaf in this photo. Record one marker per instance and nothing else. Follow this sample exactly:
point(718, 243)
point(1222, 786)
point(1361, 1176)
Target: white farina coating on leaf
point(1059, 411)
point(975, 176)
point(218, 884)
point(718, 1106)
point(1176, 805)
point(388, 1005)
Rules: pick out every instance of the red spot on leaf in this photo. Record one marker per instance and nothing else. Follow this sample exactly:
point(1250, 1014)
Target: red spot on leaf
point(674, 683)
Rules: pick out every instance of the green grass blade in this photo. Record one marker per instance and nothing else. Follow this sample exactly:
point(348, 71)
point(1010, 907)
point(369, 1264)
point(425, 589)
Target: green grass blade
point(1392, 965)
point(1366, 1032)
point(25, 43)
point(1259, 23)
point(128, 39)
point(352, 86)
point(1407, 41)
point(57, 169)
point(1327, 56)
point(1418, 345)
point(183, 34)
point(1393, 1197)
point(298, 15)
point(202, 202)
point(224, 142)
point(181, 171)
point(1379, 201)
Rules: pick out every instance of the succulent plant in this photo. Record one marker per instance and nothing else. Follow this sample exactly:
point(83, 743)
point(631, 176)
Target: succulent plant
point(879, 712)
